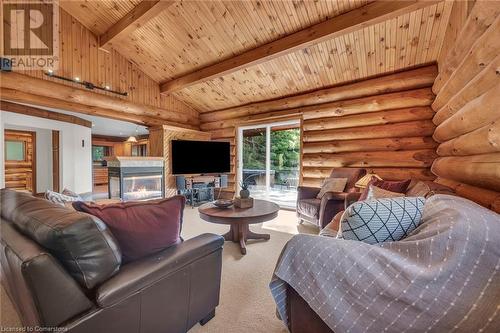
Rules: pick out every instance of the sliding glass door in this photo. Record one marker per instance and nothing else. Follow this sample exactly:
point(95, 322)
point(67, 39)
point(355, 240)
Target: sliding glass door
point(268, 161)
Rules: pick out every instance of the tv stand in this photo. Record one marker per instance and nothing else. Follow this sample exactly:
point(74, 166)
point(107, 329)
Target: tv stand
point(199, 189)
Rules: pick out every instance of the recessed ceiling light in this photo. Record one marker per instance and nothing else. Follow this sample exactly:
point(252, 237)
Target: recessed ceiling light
point(107, 87)
point(77, 79)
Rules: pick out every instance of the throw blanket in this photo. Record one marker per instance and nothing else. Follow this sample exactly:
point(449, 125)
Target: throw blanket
point(444, 277)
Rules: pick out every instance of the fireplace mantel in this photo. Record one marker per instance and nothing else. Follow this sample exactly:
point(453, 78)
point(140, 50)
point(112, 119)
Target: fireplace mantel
point(134, 161)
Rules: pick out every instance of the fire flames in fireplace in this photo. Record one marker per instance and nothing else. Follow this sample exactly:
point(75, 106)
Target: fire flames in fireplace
point(142, 187)
point(136, 178)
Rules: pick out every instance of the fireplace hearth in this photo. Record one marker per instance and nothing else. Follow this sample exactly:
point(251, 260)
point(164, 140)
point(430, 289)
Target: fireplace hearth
point(136, 178)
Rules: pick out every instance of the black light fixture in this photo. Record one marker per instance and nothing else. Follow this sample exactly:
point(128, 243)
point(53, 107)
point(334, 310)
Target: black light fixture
point(86, 84)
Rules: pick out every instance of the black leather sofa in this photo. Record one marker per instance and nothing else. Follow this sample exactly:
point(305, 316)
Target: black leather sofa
point(170, 291)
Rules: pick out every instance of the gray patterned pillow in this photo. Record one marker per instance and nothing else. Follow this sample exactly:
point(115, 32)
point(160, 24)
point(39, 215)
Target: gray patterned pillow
point(382, 220)
point(59, 198)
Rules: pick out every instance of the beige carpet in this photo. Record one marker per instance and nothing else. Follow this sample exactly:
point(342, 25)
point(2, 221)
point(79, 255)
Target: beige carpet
point(246, 304)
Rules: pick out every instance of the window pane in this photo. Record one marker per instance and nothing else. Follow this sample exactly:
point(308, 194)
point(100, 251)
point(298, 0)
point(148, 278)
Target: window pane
point(285, 155)
point(97, 153)
point(254, 158)
point(14, 151)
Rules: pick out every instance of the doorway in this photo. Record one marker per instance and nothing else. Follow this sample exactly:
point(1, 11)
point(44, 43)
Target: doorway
point(20, 161)
point(269, 161)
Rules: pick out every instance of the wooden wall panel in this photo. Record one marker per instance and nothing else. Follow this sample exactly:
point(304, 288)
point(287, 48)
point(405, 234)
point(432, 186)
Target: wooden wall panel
point(466, 108)
point(159, 143)
point(81, 57)
point(388, 133)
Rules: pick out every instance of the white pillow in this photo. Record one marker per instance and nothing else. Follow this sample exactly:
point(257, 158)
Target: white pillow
point(375, 192)
point(332, 185)
point(59, 198)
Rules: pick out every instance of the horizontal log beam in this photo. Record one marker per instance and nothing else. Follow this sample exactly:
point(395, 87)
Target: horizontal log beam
point(311, 182)
point(39, 88)
point(282, 115)
point(484, 51)
point(40, 113)
point(484, 197)
point(481, 141)
point(22, 97)
point(475, 114)
point(407, 80)
point(481, 17)
point(353, 20)
point(408, 158)
point(485, 80)
point(364, 119)
point(136, 18)
point(225, 133)
point(392, 101)
point(397, 100)
point(384, 173)
point(366, 145)
point(367, 119)
point(476, 170)
point(408, 129)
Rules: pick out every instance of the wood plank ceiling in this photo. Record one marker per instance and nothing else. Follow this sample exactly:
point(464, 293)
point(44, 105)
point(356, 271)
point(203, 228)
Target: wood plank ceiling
point(190, 35)
point(99, 16)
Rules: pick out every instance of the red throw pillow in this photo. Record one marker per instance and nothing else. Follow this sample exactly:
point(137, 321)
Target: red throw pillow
point(393, 186)
point(141, 227)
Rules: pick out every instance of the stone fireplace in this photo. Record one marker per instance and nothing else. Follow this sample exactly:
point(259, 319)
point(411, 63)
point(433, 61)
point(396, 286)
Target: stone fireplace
point(136, 178)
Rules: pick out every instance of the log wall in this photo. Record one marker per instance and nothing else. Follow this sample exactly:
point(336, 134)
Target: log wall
point(383, 124)
point(467, 109)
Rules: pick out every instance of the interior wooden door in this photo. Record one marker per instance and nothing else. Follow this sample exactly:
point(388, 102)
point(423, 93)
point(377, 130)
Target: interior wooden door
point(20, 163)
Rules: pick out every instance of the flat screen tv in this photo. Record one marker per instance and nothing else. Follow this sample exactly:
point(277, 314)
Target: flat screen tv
point(197, 157)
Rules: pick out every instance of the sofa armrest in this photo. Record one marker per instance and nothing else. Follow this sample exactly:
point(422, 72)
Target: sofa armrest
point(306, 192)
point(339, 196)
point(331, 204)
point(351, 198)
point(143, 273)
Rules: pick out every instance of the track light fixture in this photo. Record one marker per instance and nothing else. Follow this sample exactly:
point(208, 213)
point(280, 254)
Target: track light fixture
point(88, 85)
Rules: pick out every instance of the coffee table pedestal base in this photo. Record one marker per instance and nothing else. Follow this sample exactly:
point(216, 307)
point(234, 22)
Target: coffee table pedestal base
point(240, 233)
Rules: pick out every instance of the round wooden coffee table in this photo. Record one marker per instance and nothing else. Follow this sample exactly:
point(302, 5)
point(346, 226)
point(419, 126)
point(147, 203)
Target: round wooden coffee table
point(239, 219)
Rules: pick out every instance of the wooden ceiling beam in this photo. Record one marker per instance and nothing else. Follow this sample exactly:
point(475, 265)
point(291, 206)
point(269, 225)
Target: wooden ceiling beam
point(15, 87)
point(370, 14)
point(40, 113)
point(136, 18)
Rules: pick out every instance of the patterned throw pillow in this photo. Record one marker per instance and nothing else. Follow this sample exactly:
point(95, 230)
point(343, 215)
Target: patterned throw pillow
point(59, 198)
point(375, 192)
point(382, 220)
point(332, 185)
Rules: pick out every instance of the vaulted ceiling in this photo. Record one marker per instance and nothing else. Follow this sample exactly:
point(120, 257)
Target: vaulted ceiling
point(178, 38)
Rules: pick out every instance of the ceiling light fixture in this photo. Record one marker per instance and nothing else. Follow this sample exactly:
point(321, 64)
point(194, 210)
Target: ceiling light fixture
point(86, 84)
point(132, 139)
